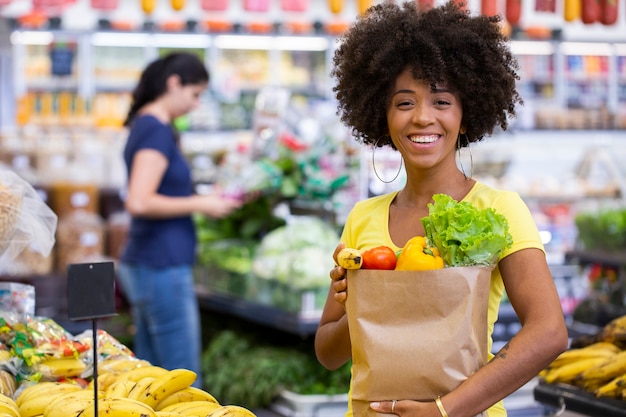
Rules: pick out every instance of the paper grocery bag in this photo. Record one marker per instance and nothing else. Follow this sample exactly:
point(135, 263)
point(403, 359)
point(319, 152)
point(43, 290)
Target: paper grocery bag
point(415, 334)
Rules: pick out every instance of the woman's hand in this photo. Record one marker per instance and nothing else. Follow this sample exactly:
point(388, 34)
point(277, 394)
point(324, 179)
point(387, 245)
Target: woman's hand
point(217, 206)
point(338, 275)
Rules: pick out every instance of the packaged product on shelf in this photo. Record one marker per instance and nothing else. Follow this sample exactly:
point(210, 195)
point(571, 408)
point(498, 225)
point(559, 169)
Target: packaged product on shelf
point(17, 297)
point(67, 197)
point(80, 238)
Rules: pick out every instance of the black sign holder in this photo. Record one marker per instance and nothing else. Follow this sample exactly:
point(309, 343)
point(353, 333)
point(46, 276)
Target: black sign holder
point(91, 295)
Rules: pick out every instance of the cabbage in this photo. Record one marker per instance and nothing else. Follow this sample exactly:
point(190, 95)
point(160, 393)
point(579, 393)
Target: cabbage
point(298, 254)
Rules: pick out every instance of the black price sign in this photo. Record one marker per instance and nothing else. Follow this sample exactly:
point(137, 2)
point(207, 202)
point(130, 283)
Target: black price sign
point(90, 290)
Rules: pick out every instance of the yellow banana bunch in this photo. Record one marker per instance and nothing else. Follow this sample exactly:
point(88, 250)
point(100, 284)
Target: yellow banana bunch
point(596, 350)
point(56, 368)
point(118, 407)
point(36, 401)
point(121, 364)
point(8, 383)
point(138, 391)
point(192, 408)
point(568, 372)
point(120, 388)
point(604, 372)
point(185, 395)
point(350, 258)
point(8, 406)
point(140, 372)
point(71, 403)
point(231, 411)
point(613, 389)
point(104, 381)
point(165, 385)
point(615, 332)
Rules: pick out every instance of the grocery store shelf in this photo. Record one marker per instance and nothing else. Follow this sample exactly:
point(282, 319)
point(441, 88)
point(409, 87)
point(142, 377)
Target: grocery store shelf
point(615, 259)
point(295, 323)
point(567, 397)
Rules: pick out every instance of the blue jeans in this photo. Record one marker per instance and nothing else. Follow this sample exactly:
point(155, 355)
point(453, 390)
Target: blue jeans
point(165, 314)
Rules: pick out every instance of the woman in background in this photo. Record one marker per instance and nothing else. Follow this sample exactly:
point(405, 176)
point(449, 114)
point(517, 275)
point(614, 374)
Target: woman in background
point(156, 268)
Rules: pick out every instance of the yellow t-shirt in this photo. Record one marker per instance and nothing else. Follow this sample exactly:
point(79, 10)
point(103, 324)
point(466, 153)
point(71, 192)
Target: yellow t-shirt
point(367, 226)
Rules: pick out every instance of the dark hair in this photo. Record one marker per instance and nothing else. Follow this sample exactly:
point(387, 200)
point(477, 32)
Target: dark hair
point(153, 80)
point(443, 44)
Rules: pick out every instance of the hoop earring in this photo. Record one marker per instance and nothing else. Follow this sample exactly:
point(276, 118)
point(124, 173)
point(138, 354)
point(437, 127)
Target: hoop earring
point(374, 165)
point(458, 148)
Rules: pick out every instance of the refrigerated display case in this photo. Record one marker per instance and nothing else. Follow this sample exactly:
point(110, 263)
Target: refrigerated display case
point(587, 74)
point(564, 84)
point(107, 64)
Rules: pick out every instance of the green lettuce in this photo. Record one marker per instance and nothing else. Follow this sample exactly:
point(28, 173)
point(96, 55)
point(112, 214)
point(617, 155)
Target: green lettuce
point(465, 235)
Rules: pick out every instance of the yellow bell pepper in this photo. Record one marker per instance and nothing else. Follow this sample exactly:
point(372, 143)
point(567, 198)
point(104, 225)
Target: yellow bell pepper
point(417, 255)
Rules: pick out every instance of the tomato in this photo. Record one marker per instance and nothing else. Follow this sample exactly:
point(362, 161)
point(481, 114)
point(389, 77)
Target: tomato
point(380, 257)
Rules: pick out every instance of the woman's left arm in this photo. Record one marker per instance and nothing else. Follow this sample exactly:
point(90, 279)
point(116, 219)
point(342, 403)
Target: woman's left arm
point(543, 336)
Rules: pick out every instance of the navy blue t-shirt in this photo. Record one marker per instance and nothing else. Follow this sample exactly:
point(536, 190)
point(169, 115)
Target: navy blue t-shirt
point(160, 242)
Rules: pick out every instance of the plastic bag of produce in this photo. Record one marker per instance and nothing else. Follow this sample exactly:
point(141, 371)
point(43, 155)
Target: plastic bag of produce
point(26, 221)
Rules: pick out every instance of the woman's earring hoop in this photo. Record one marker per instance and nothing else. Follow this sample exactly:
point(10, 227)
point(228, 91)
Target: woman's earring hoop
point(374, 165)
point(458, 148)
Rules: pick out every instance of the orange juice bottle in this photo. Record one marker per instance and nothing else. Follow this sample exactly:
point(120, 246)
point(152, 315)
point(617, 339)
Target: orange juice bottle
point(64, 108)
point(23, 109)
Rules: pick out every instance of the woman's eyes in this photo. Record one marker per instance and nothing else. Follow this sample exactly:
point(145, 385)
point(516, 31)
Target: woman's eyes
point(437, 102)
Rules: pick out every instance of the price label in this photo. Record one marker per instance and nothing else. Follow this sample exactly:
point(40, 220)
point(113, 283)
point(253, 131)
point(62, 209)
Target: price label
point(90, 290)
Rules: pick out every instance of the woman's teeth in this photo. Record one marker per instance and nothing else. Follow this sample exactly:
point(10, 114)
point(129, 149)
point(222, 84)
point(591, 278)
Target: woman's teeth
point(424, 139)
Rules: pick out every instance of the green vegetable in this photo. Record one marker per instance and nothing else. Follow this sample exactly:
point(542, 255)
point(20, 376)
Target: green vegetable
point(604, 229)
point(464, 234)
point(248, 369)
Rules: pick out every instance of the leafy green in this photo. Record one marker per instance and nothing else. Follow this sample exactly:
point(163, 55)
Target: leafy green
point(464, 234)
point(240, 368)
point(604, 229)
point(251, 221)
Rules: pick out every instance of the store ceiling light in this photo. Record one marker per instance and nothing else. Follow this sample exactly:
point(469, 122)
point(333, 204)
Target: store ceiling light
point(287, 43)
point(119, 39)
point(146, 39)
point(244, 42)
point(182, 40)
point(302, 43)
point(32, 38)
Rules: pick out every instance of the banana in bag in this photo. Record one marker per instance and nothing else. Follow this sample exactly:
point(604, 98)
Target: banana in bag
point(415, 334)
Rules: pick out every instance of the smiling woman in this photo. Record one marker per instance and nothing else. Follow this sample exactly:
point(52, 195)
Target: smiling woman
point(437, 80)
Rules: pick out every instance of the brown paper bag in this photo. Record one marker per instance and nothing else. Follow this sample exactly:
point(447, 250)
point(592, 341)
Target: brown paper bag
point(415, 334)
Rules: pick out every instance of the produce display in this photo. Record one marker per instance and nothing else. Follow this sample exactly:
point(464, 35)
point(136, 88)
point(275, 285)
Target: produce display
point(457, 234)
point(604, 229)
point(595, 364)
point(46, 372)
point(286, 268)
